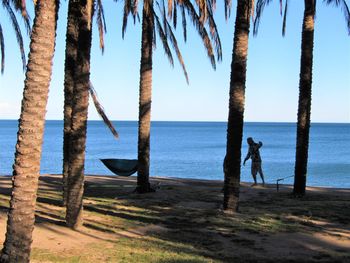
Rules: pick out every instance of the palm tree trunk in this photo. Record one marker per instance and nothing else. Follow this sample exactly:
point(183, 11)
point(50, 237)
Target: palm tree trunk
point(304, 105)
point(77, 143)
point(26, 171)
point(69, 70)
point(145, 98)
point(236, 106)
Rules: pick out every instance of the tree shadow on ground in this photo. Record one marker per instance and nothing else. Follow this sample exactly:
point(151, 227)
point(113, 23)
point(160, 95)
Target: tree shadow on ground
point(188, 218)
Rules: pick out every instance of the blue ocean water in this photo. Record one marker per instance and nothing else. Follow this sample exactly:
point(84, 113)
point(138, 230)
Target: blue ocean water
point(197, 149)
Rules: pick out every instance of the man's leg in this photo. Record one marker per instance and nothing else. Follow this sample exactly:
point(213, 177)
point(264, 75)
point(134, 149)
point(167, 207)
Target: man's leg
point(254, 172)
point(261, 174)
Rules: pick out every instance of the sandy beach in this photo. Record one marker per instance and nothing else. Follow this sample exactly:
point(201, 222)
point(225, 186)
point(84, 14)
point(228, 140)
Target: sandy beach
point(183, 222)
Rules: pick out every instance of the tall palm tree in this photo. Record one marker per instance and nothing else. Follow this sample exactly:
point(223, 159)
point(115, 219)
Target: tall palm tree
point(305, 82)
point(236, 104)
point(20, 222)
point(69, 77)
point(304, 103)
point(79, 114)
point(77, 87)
point(150, 23)
point(305, 86)
point(19, 5)
point(145, 97)
point(72, 34)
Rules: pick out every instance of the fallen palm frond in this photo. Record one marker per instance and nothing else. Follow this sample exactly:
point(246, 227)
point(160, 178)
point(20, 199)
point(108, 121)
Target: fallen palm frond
point(101, 111)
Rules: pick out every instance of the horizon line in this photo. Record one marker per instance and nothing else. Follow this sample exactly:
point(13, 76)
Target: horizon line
point(202, 121)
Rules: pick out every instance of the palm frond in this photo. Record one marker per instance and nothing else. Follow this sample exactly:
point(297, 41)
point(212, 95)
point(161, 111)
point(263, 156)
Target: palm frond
point(20, 5)
point(175, 16)
point(184, 22)
point(163, 13)
point(202, 8)
point(101, 111)
point(2, 47)
point(260, 5)
point(163, 37)
point(177, 51)
point(228, 5)
point(170, 8)
point(201, 31)
point(213, 4)
point(17, 31)
point(214, 34)
point(135, 4)
point(344, 7)
point(101, 23)
point(127, 11)
point(285, 18)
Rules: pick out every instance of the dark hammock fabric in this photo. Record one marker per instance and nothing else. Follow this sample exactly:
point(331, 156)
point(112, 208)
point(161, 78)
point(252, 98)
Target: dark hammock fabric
point(121, 167)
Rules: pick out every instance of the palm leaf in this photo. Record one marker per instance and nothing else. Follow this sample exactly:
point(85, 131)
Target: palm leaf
point(344, 7)
point(170, 8)
point(175, 16)
point(214, 34)
point(127, 10)
point(2, 47)
point(101, 23)
point(177, 51)
point(162, 11)
point(285, 18)
point(228, 5)
point(184, 22)
point(260, 5)
point(20, 5)
point(101, 111)
point(202, 7)
point(163, 37)
point(17, 31)
point(201, 31)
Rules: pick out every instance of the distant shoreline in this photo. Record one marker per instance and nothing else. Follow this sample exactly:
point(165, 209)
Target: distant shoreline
point(196, 121)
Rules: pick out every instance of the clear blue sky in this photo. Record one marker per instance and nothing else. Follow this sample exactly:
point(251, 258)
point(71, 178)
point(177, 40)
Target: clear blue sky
point(272, 76)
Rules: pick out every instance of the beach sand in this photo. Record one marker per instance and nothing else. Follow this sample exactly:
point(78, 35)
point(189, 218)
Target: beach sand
point(183, 222)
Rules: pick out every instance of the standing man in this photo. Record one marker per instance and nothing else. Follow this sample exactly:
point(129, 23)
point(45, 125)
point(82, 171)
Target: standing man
point(254, 154)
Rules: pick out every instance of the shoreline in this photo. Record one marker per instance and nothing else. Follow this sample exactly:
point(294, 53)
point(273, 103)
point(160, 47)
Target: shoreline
point(245, 183)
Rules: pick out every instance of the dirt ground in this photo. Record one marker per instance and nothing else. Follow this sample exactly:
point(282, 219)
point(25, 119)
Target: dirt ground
point(186, 215)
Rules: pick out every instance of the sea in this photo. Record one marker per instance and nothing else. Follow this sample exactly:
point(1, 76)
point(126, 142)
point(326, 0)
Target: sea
point(197, 149)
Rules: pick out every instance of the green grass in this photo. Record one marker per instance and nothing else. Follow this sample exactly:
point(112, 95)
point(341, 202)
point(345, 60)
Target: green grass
point(125, 250)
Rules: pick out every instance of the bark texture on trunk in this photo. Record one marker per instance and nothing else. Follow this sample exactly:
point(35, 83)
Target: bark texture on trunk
point(145, 99)
point(26, 168)
point(69, 77)
point(77, 142)
point(236, 106)
point(304, 104)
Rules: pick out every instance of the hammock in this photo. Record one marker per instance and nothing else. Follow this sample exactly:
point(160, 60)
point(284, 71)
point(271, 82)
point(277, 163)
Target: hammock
point(121, 167)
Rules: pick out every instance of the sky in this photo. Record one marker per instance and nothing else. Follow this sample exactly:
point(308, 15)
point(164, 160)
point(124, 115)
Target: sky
point(272, 71)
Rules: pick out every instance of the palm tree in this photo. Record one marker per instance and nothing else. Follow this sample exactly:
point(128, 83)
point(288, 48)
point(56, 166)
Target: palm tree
point(305, 83)
point(236, 104)
point(79, 114)
point(304, 103)
point(20, 222)
point(69, 69)
point(20, 6)
point(150, 23)
point(145, 96)
point(77, 87)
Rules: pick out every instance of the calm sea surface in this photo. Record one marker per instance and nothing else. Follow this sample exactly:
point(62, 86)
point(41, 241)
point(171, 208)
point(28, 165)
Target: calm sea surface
point(196, 149)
